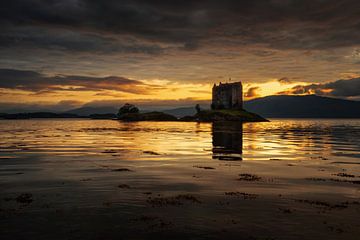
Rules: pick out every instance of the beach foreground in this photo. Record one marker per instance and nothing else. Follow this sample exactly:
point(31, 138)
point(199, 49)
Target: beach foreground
point(103, 179)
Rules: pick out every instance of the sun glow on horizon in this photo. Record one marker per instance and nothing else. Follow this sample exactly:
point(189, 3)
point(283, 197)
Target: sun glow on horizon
point(147, 90)
point(271, 87)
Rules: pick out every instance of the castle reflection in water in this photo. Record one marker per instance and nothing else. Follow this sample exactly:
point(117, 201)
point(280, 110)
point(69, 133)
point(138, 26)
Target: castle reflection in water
point(227, 141)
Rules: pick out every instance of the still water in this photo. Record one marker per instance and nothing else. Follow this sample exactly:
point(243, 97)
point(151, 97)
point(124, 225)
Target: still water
point(105, 179)
point(280, 139)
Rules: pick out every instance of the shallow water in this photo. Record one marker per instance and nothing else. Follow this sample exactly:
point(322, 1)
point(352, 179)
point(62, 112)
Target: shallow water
point(281, 139)
point(99, 179)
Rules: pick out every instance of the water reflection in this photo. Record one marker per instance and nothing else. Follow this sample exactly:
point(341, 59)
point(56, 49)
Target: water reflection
point(227, 140)
point(284, 139)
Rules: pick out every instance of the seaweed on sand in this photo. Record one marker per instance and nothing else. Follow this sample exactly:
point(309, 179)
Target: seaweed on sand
point(175, 201)
point(248, 177)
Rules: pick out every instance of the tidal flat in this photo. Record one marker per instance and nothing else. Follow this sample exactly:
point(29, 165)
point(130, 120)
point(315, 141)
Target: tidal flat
point(105, 179)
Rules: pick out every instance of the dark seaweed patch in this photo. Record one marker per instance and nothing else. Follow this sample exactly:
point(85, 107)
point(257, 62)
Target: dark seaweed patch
point(248, 177)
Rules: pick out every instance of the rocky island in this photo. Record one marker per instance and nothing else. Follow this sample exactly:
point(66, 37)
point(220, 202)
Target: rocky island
point(227, 105)
point(234, 115)
point(131, 113)
point(201, 116)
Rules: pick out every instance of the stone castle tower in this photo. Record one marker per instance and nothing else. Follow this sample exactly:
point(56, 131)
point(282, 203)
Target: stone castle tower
point(227, 96)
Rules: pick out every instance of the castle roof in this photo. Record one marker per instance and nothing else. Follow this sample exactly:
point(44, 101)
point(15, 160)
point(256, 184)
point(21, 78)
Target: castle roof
point(227, 84)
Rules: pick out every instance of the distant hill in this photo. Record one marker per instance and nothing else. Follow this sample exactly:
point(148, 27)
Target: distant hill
point(25, 110)
point(86, 111)
point(37, 115)
point(309, 106)
point(277, 106)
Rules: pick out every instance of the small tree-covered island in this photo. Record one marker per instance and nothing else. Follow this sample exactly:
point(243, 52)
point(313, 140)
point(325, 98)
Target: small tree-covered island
point(227, 105)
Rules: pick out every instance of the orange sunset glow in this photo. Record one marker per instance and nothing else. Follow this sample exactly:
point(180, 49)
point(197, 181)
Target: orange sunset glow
point(179, 119)
point(83, 58)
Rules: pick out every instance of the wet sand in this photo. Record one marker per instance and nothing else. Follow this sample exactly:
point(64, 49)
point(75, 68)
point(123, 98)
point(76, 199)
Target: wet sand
point(82, 179)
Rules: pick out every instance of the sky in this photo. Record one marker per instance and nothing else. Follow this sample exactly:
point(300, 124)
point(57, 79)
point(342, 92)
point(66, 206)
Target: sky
point(70, 53)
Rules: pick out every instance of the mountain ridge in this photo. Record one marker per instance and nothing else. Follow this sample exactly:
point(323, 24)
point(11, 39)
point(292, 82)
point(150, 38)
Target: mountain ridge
point(275, 106)
point(307, 106)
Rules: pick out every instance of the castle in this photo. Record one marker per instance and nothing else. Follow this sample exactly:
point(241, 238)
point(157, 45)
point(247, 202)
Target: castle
point(227, 96)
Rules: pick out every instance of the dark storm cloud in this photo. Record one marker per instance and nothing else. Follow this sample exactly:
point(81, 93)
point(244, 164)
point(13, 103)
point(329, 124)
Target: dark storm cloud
point(32, 37)
point(40, 83)
point(339, 88)
point(280, 24)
